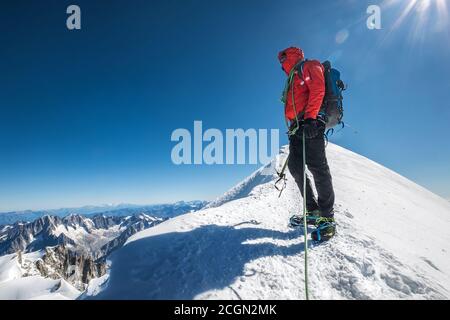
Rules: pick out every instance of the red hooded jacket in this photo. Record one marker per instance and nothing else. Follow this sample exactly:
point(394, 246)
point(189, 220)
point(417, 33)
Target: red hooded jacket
point(309, 87)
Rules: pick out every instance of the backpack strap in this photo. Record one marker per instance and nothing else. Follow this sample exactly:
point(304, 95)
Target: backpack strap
point(299, 68)
point(289, 83)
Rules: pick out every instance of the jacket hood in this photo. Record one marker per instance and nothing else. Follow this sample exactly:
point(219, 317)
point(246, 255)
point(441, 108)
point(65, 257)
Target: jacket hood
point(290, 57)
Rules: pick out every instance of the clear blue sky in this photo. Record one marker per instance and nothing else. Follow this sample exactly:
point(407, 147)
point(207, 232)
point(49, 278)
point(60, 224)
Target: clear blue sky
point(86, 116)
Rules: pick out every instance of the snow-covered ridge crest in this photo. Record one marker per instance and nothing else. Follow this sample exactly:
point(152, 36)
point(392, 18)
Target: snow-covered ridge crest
point(392, 243)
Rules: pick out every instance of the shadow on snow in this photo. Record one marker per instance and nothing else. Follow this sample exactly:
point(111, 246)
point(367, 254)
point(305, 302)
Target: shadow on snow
point(181, 265)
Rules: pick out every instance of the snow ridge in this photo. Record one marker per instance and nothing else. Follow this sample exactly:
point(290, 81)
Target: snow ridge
point(392, 243)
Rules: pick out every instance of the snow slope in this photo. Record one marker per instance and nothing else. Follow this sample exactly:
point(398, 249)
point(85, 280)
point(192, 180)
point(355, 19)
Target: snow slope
point(392, 243)
point(9, 268)
point(13, 286)
point(37, 288)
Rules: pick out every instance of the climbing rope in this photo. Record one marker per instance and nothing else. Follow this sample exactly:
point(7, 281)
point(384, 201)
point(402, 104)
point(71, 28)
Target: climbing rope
point(305, 226)
point(282, 176)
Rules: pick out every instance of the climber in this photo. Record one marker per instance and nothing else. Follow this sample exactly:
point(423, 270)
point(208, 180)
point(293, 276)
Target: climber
point(303, 97)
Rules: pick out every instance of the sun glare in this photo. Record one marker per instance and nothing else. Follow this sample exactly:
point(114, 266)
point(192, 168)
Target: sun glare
point(427, 15)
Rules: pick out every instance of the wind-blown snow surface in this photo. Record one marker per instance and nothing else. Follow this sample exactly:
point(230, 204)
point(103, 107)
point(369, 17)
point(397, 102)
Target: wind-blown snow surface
point(37, 288)
point(392, 243)
point(14, 287)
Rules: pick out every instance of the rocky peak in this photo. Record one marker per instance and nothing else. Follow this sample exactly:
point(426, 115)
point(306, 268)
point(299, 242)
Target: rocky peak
point(76, 268)
point(105, 222)
point(75, 221)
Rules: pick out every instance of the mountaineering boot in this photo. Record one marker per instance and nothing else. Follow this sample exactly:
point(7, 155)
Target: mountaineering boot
point(311, 218)
point(325, 229)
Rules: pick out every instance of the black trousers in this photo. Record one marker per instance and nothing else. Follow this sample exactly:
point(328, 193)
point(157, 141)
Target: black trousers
point(316, 162)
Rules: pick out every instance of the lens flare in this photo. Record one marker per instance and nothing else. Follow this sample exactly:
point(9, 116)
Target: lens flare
point(441, 7)
point(426, 16)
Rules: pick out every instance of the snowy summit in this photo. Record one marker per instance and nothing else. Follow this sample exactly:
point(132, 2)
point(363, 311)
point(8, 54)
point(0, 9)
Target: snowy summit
point(392, 242)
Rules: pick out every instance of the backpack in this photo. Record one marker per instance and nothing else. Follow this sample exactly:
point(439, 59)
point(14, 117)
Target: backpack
point(332, 109)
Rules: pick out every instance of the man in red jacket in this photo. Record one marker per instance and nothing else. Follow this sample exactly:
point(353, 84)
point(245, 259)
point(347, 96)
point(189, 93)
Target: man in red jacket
point(303, 96)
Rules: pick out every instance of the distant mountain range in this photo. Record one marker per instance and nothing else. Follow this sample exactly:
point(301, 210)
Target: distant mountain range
point(159, 210)
point(74, 247)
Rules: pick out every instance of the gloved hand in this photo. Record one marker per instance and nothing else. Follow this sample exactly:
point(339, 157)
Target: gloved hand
point(311, 128)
